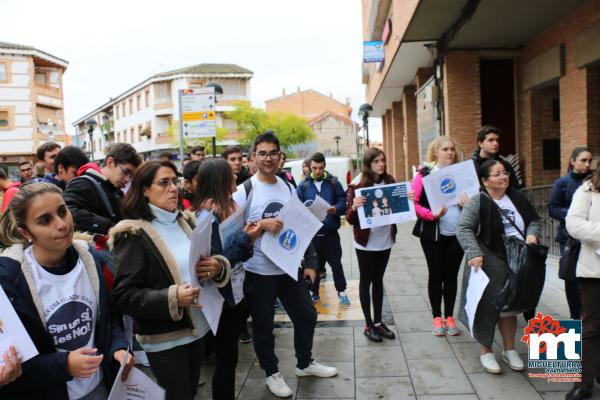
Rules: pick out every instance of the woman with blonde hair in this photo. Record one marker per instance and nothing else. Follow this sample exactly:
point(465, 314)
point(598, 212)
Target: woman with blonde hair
point(436, 230)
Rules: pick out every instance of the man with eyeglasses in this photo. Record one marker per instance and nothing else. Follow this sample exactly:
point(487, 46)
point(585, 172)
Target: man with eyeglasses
point(265, 281)
point(197, 153)
point(25, 170)
point(95, 196)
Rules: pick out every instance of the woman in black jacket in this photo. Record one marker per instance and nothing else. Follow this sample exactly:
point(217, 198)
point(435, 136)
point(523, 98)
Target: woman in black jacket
point(56, 286)
point(215, 183)
point(153, 279)
point(561, 196)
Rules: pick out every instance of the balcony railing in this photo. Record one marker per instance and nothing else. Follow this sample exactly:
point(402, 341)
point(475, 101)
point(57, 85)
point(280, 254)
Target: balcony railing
point(538, 196)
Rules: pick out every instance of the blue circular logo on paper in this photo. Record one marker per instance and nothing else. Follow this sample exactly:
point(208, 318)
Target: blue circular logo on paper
point(447, 185)
point(288, 240)
point(369, 221)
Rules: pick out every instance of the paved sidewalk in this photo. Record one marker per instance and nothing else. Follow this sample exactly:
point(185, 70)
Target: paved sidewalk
point(416, 364)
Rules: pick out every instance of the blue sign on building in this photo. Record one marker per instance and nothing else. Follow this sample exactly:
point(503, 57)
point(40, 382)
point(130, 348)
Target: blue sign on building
point(373, 51)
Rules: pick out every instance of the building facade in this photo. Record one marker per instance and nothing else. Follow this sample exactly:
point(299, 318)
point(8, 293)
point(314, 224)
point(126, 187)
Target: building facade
point(328, 118)
point(31, 102)
point(530, 68)
point(146, 116)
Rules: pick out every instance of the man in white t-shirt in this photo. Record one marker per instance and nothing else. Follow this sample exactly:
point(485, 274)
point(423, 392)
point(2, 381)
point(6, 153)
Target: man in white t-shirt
point(265, 281)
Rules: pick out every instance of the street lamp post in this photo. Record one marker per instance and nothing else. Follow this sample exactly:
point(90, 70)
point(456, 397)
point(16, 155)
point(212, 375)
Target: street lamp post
point(365, 110)
point(337, 144)
point(91, 125)
point(218, 90)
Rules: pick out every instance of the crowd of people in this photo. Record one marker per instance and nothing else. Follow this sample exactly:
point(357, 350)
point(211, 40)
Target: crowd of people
point(112, 242)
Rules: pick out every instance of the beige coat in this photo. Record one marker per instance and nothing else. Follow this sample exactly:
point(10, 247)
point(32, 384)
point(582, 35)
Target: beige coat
point(583, 223)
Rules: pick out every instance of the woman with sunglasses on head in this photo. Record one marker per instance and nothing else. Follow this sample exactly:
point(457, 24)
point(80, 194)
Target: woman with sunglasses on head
point(214, 195)
point(152, 280)
point(486, 219)
point(373, 246)
point(57, 289)
point(437, 234)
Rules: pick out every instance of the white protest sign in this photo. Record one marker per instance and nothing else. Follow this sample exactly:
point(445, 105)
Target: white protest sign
point(286, 247)
point(444, 186)
point(478, 281)
point(210, 298)
point(318, 207)
point(198, 113)
point(233, 224)
point(13, 333)
point(385, 205)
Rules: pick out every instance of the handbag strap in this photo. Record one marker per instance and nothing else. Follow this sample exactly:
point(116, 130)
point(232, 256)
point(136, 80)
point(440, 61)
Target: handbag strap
point(512, 222)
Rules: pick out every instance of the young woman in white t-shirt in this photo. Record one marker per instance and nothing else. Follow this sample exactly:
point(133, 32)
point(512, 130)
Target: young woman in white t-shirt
point(56, 286)
point(373, 246)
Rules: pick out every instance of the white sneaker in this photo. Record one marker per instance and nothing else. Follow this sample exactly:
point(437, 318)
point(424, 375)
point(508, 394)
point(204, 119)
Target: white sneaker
point(277, 385)
point(489, 363)
point(512, 358)
point(316, 369)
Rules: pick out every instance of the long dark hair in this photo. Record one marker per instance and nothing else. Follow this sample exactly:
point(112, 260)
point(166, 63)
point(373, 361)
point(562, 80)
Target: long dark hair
point(214, 181)
point(575, 153)
point(368, 176)
point(595, 179)
point(135, 204)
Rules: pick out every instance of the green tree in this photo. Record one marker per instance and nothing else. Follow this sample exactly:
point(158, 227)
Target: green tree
point(290, 128)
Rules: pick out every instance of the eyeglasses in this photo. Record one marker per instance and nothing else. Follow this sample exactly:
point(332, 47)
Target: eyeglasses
point(498, 174)
point(125, 171)
point(273, 155)
point(165, 182)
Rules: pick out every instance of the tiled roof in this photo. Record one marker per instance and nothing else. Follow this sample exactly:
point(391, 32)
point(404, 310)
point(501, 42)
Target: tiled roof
point(5, 45)
point(33, 51)
point(207, 69)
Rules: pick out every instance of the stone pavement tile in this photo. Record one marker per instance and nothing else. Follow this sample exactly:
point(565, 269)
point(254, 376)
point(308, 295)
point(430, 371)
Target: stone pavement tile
point(449, 397)
point(417, 321)
point(360, 340)
point(380, 362)
point(287, 364)
point(467, 355)
point(408, 303)
point(396, 288)
point(340, 386)
point(508, 385)
point(542, 385)
point(439, 376)
point(241, 372)
point(284, 337)
point(255, 389)
point(343, 330)
point(418, 345)
point(333, 348)
point(384, 388)
point(554, 395)
point(246, 352)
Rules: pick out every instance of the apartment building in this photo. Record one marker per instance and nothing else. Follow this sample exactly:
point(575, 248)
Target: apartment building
point(329, 119)
point(528, 67)
point(145, 115)
point(31, 102)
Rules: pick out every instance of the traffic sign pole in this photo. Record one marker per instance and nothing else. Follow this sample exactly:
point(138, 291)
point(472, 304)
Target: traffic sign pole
point(179, 92)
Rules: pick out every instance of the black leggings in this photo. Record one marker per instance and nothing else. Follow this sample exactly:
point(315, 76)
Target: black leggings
point(443, 261)
point(372, 265)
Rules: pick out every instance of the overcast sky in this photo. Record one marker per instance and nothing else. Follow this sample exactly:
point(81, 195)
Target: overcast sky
point(113, 45)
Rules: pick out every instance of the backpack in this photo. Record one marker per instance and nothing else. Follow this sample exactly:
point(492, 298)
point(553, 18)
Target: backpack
point(101, 194)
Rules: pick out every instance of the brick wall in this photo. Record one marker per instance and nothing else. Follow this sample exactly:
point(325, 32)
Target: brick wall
point(398, 141)
point(409, 111)
point(462, 98)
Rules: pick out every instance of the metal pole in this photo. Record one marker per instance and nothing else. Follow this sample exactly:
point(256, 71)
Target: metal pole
point(214, 146)
point(366, 123)
point(179, 92)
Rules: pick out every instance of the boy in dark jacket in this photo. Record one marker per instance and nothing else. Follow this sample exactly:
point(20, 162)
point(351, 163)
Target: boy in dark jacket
point(327, 241)
point(488, 148)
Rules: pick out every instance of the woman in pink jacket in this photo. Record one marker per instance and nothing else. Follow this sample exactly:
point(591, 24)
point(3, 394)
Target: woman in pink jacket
point(437, 232)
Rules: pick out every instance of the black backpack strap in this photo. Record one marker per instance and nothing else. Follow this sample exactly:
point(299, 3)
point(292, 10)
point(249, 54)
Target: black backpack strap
point(101, 194)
